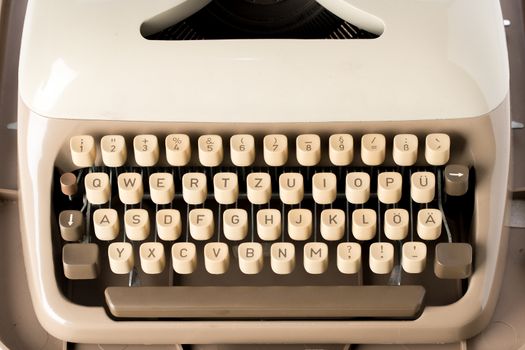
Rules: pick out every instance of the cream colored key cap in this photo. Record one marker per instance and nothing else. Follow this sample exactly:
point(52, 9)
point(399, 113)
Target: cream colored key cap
point(169, 224)
point(259, 188)
point(405, 149)
point(357, 187)
point(178, 149)
point(235, 223)
point(389, 187)
point(121, 259)
point(341, 149)
point(315, 257)
point(308, 149)
point(364, 224)
point(269, 224)
point(414, 257)
point(146, 148)
point(381, 257)
point(324, 188)
point(202, 224)
point(437, 149)
point(275, 149)
point(291, 188)
point(396, 224)
point(225, 188)
point(114, 151)
point(184, 257)
point(332, 224)
point(137, 224)
point(98, 190)
point(106, 224)
point(83, 150)
point(216, 258)
point(130, 188)
point(161, 188)
point(282, 258)
point(422, 187)
point(194, 188)
point(242, 149)
point(250, 258)
point(429, 224)
point(349, 257)
point(373, 149)
point(211, 151)
point(299, 224)
point(152, 258)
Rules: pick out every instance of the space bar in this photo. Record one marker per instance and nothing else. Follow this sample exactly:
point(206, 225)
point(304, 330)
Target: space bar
point(279, 302)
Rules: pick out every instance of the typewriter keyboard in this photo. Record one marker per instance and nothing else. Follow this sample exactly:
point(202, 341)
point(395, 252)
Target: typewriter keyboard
point(193, 227)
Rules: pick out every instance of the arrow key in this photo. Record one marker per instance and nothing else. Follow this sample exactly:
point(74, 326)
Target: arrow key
point(456, 179)
point(71, 224)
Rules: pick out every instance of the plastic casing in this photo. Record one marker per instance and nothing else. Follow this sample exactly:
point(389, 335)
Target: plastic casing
point(439, 66)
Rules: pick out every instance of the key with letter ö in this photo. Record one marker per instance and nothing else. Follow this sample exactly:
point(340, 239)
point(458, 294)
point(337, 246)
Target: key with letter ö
point(396, 223)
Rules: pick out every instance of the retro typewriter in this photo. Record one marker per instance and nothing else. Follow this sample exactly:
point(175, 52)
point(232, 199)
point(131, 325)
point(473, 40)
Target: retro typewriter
point(234, 171)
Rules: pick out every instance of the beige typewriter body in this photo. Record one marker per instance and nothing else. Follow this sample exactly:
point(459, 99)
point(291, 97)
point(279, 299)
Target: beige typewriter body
point(438, 66)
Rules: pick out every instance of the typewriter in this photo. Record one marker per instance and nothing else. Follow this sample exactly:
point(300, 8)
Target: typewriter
point(240, 172)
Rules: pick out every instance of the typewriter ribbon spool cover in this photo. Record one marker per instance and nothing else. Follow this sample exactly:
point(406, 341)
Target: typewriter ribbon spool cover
point(306, 171)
